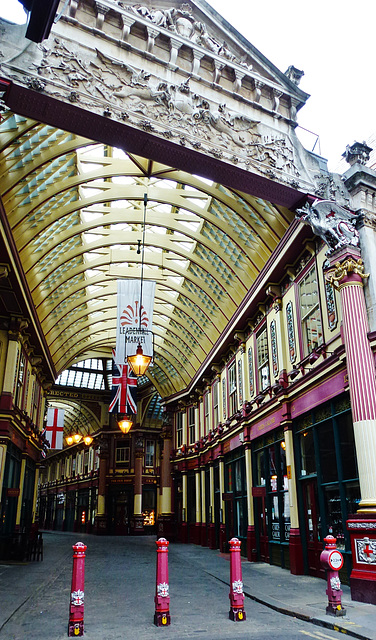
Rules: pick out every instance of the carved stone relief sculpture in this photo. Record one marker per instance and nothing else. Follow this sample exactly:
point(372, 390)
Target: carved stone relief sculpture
point(168, 109)
point(182, 22)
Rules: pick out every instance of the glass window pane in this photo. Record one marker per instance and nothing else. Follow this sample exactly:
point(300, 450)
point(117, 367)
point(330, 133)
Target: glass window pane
point(352, 497)
point(263, 360)
point(310, 311)
point(260, 468)
point(327, 453)
point(286, 514)
point(238, 476)
point(307, 451)
point(347, 445)
point(276, 534)
point(272, 469)
point(334, 520)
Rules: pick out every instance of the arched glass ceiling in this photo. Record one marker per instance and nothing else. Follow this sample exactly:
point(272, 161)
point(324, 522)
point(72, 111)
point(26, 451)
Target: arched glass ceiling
point(75, 209)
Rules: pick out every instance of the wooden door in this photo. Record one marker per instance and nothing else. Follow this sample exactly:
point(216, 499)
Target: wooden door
point(121, 518)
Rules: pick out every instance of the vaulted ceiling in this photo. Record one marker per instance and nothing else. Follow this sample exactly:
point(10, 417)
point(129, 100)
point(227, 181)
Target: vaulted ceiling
point(75, 210)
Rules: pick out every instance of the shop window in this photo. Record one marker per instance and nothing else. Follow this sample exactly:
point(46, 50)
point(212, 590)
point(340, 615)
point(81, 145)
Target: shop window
point(271, 472)
point(260, 468)
point(310, 312)
point(179, 429)
point(148, 507)
point(149, 453)
point(263, 360)
point(327, 449)
point(307, 452)
point(192, 423)
point(122, 454)
point(347, 447)
point(328, 460)
point(236, 503)
point(273, 477)
point(352, 496)
point(238, 476)
point(233, 396)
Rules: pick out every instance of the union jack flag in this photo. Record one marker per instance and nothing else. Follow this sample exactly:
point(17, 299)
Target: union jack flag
point(124, 389)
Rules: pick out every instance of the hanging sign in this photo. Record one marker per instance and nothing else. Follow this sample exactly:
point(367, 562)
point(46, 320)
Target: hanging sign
point(131, 317)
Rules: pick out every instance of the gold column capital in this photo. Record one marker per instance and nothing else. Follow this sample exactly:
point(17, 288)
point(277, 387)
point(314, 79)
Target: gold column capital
point(337, 275)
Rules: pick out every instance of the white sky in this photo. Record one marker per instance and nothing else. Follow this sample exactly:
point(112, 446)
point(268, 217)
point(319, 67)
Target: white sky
point(332, 41)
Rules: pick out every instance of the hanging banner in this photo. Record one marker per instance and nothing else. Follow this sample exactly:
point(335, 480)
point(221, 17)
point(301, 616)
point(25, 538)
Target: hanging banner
point(55, 427)
point(128, 317)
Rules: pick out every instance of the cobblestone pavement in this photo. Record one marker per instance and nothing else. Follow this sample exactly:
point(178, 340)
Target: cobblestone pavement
point(120, 588)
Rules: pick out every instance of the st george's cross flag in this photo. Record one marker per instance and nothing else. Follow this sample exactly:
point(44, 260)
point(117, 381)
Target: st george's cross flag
point(55, 427)
point(124, 389)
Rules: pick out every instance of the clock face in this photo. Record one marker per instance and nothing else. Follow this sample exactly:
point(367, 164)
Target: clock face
point(335, 560)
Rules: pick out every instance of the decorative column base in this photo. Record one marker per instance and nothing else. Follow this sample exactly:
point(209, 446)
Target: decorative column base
point(100, 525)
point(362, 529)
point(162, 619)
point(296, 553)
point(137, 525)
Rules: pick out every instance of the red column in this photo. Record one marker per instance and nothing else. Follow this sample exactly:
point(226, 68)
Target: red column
point(76, 609)
point(347, 275)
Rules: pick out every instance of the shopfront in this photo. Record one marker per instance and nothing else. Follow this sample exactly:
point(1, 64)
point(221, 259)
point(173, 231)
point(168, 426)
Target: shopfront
point(328, 485)
point(235, 497)
point(271, 499)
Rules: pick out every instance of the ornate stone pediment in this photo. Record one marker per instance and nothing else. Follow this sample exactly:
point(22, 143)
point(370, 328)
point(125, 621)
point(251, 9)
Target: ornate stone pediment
point(177, 71)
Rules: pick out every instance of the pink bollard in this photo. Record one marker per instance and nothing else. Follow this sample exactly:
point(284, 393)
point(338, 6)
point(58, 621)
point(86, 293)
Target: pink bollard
point(237, 613)
point(332, 560)
point(162, 591)
point(76, 608)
